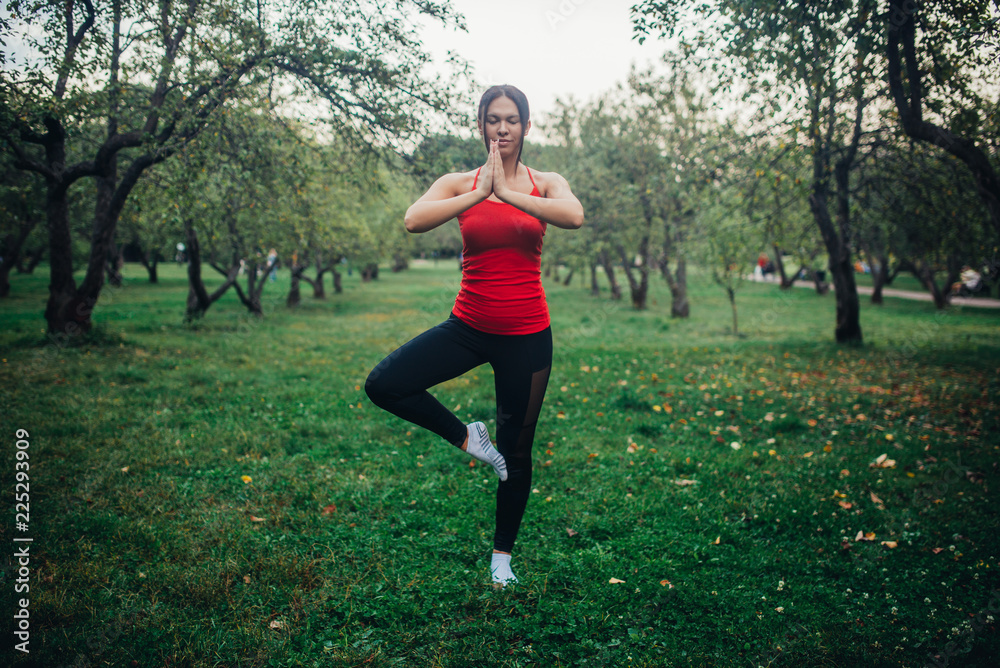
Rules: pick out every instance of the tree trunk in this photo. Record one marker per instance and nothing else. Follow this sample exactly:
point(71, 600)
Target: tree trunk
point(680, 307)
point(5, 278)
point(848, 326)
point(369, 272)
point(33, 257)
point(13, 243)
point(569, 277)
point(638, 288)
point(338, 282)
point(198, 300)
point(609, 271)
point(880, 271)
point(114, 265)
point(294, 294)
point(732, 304)
point(595, 289)
point(65, 313)
point(779, 263)
point(923, 272)
point(149, 261)
point(399, 262)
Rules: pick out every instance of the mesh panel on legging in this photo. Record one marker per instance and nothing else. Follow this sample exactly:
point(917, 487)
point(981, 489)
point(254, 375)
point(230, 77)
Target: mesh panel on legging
point(512, 495)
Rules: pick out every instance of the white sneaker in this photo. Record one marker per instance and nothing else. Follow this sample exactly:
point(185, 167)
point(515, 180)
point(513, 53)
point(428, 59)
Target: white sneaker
point(480, 448)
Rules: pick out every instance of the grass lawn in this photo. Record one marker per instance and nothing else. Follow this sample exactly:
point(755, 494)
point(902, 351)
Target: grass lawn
point(223, 493)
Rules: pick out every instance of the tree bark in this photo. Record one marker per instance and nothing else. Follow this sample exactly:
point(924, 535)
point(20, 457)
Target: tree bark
point(150, 261)
point(609, 271)
point(638, 287)
point(680, 307)
point(595, 289)
point(294, 293)
point(199, 300)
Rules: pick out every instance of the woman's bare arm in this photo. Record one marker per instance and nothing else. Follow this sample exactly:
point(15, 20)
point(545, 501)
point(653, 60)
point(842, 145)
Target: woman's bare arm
point(558, 207)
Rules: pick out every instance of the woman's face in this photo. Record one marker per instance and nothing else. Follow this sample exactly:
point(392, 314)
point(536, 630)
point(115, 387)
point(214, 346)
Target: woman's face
point(503, 123)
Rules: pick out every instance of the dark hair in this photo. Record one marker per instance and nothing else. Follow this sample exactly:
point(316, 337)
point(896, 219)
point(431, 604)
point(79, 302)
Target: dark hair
point(520, 101)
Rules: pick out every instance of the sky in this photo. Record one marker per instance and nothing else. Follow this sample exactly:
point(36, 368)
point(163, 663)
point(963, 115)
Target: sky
point(548, 48)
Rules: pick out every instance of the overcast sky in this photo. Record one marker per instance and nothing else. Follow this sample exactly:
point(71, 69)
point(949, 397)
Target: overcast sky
point(547, 48)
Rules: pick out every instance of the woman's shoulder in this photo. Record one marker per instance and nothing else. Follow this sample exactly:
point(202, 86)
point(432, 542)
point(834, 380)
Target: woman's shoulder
point(458, 182)
point(546, 181)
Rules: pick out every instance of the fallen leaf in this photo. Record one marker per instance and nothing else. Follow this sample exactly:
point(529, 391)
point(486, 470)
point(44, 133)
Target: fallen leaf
point(838, 495)
point(666, 583)
point(889, 543)
point(808, 454)
point(124, 469)
point(864, 536)
point(247, 479)
point(254, 518)
point(846, 505)
point(571, 532)
point(276, 624)
point(717, 540)
point(327, 510)
point(937, 550)
point(615, 581)
point(883, 462)
point(683, 482)
point(877, 501)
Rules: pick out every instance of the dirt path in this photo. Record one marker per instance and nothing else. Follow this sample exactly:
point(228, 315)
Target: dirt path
point(905, 294)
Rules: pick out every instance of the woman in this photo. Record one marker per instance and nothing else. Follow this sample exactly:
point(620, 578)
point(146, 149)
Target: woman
point(500, 314)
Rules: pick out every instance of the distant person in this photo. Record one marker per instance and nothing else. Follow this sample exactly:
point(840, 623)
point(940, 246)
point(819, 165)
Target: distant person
point(272, 262)
point(500, 314)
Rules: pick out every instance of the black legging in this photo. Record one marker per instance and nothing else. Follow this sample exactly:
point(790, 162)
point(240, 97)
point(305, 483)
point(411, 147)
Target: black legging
point(521, 365)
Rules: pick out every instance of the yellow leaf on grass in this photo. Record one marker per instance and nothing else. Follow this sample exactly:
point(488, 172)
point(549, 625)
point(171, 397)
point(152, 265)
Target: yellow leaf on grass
point(889, 543)
point(846, 505)
point(615, 581)
point(717, 540)
point(666, 583)
point(247, 479)
point(883, 462)
point(869, 536)
point(683, 482)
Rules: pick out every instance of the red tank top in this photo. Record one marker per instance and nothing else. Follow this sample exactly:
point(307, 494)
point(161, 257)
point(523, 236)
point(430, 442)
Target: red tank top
point(501, 290)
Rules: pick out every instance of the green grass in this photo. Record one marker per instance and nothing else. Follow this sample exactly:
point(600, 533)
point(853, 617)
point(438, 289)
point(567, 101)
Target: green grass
point(360, 541)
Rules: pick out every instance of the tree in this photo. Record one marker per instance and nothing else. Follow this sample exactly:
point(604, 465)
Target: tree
point(361, 58)
point(944, 74)
point(727, 244)
point(814, 63)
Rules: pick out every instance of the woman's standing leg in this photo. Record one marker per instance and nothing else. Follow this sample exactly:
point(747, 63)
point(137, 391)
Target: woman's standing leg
point(521, 366)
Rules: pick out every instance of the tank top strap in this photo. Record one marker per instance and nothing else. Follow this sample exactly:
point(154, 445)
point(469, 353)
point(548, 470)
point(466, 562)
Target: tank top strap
point(475, 180)
point(535, 185)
